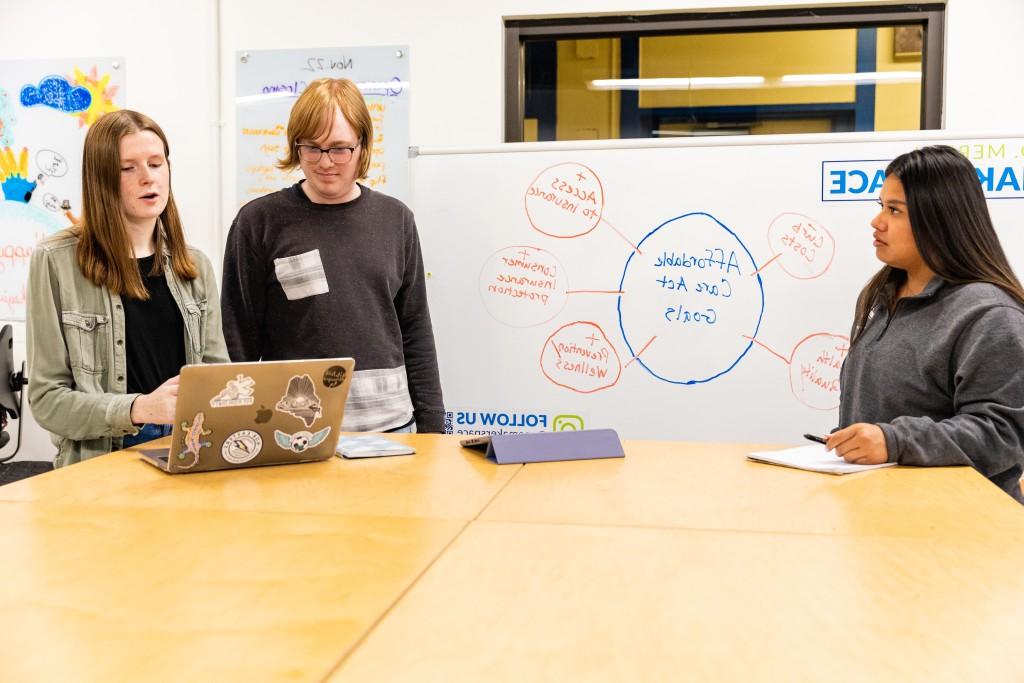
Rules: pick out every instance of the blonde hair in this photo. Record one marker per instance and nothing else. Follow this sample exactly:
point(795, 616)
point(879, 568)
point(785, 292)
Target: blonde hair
point(104, 252)
point(313, 115)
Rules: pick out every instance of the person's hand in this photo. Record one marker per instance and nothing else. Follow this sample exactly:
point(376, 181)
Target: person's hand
point(860, 444)
point(157, 407)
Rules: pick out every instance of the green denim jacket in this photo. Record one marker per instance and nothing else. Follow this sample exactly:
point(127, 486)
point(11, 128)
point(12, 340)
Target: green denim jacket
point(76, 350)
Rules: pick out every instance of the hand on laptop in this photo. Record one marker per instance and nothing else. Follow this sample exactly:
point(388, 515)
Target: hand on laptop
point(157, 407)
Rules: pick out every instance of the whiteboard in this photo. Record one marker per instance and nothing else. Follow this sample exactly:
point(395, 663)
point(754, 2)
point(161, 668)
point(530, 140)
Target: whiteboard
point(46, 106)
point(269, 82)
point(700, 291)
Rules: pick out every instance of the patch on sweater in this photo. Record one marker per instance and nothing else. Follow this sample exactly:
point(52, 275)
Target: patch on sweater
point(302, 275)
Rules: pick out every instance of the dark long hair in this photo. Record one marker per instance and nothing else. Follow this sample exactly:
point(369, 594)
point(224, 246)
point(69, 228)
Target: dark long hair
point(951, 226)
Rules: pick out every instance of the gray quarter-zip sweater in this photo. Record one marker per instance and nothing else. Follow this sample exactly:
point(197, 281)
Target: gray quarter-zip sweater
point(943, 376)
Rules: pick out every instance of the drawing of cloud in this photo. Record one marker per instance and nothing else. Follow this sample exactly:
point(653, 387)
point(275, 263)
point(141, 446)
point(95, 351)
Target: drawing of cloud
point(56, 92)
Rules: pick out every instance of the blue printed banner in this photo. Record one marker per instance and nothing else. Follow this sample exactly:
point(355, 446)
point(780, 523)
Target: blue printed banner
point(1001, 176)
point(490, 422)
point(852, 181)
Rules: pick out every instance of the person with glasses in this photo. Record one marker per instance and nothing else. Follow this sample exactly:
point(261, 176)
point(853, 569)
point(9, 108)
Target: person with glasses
point(932, 375)
point(118, 302)
point(329, 267)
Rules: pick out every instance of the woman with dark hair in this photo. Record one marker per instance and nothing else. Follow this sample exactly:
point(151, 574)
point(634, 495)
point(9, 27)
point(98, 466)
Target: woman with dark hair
point(933, 372)
point(118, 302)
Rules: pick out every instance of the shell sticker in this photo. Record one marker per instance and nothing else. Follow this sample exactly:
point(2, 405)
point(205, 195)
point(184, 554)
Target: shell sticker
point(300, 400)
point(242, 446)
point(300, 441)
point(238, 392)
point(193, 440)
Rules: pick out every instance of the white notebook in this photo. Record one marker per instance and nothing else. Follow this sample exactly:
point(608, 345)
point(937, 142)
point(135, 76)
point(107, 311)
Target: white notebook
point(814, 458)
point(371, 446)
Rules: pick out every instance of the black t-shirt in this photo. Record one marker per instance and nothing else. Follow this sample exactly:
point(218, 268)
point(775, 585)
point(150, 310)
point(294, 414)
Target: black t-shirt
point(154, 334)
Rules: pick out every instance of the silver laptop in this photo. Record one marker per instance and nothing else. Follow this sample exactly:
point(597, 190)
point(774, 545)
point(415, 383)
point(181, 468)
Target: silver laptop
point(249, 414)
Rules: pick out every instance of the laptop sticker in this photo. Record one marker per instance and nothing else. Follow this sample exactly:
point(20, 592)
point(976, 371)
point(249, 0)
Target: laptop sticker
point(334, 376)
point(238, 392)
point(300, 441)
point(193, 440)
point(242, 446)
point(300, 400)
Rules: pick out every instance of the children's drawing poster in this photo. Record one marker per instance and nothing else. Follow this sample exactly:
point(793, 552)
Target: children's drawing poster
point(46, 106)
point(699, 292)
point(269, 82)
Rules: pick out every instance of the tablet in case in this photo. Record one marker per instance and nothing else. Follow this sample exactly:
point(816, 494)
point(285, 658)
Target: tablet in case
point(584, 444)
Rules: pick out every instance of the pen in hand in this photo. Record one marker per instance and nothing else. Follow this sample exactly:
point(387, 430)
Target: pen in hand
point(816, 438)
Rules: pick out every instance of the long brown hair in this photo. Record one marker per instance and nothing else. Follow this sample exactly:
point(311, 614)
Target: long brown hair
point(313, 115)
point(951, 226)
point(104, 253)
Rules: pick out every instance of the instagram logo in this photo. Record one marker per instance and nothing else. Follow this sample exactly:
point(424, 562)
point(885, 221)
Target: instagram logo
point(567, 423)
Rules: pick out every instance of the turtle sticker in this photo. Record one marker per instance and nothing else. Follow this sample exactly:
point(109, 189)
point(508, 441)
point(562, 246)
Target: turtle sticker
point(300, 441)
point(300, 400)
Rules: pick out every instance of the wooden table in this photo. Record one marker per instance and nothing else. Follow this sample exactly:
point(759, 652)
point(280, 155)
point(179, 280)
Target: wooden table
point(441, 481)
point(713, 486)
point(682, 561)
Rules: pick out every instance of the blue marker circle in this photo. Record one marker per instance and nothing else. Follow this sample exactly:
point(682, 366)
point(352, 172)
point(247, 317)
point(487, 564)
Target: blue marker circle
point(691, 300)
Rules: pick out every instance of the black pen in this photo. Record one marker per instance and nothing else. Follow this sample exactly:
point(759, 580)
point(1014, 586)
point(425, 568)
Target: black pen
point(815, 437)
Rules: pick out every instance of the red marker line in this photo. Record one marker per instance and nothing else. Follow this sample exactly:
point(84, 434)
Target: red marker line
point(641, 350)
point(766, 264)
point(635, 248)
point(780, 357)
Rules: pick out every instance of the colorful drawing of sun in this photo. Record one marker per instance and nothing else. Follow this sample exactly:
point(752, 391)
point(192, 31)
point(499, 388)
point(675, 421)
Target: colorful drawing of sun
point(102, 96)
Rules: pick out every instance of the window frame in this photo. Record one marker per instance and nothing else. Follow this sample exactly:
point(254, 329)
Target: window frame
point(931, 16)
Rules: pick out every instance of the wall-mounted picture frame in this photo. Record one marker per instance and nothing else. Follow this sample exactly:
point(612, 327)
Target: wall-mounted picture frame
point(907, 42)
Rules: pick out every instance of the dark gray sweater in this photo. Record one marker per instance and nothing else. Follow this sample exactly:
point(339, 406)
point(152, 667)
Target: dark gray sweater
point(361, 293)
point(943, 379)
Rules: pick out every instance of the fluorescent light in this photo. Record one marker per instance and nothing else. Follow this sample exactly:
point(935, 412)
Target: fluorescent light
point(700, 133)
point(722, 82)
point(859, 78)
point(699, 83)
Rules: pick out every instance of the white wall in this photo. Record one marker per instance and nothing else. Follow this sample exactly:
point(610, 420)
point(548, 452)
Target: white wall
point(173, 56)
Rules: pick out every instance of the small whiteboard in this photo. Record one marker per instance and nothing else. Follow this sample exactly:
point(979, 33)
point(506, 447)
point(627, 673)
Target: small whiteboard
point(46, 106)
point(701, 291)
point(269, 82)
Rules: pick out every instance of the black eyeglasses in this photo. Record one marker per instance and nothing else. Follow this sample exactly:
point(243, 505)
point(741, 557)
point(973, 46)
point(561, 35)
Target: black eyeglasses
point(312, 154)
